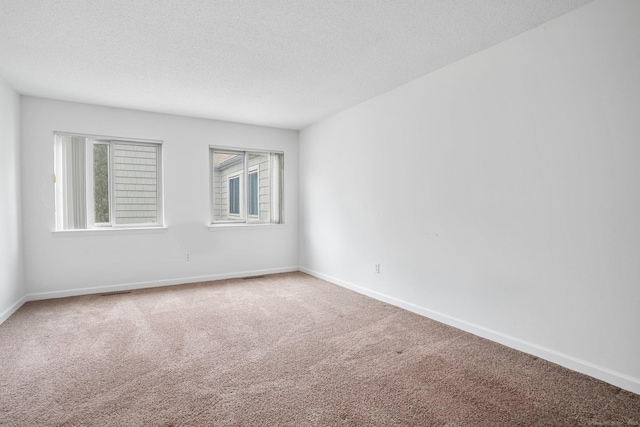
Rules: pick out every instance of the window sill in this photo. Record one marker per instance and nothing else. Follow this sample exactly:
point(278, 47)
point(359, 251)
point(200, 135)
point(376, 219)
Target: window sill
point(243, 225)
point(109, 230)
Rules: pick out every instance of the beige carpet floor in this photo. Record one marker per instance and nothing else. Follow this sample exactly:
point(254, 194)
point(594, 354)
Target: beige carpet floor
point(287, 350)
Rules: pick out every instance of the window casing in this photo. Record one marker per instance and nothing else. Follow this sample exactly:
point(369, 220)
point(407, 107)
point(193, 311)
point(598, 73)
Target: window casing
point(246, 186)
point(104, 182)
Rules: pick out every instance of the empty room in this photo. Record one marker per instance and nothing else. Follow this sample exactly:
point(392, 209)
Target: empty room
point(319, 213)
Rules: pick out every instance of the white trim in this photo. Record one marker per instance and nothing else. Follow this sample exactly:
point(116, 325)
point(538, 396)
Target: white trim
point(154, 283)
point(109, 230)
point(604, 374)
point(212, 185)
point(136, 285)
point(600, 372)
point(58, 183)
point(159, 184)
point(236, 150)
point(110, 138)
point(89, 187)
point(244, 208)
point(276, 188)
point(9, 311)
point(220, 226)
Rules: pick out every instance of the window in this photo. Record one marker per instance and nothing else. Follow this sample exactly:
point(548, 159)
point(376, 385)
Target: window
point(246, 186)
point(105, 182)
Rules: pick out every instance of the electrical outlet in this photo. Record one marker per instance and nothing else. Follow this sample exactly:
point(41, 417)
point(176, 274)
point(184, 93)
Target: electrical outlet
point(376, 268)
point(187, 256)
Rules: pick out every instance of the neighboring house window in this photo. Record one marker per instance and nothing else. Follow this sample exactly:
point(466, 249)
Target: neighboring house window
point(234, 195)
point(107, 182)
point(246, 186)
point(254, 191)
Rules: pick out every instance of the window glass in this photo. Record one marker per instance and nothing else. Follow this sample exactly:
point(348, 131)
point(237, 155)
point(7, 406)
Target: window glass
point(234, 195)
point(227, 182)
point(260, 200)
point(253, 193)
point(136, 183)
point(101, 183)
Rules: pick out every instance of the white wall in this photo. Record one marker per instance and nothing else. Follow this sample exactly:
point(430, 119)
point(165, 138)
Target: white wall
point(500, 194)
point(12, 287)
point(58, 263)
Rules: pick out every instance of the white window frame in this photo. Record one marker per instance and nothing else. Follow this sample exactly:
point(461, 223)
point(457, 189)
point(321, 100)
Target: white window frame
point(246, 219)
point(90, 141)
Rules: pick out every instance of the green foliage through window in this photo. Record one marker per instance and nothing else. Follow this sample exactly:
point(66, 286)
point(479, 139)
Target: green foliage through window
point(101, 182)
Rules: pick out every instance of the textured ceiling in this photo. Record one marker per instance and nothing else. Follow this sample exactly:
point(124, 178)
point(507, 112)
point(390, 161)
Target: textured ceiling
point(282, 63)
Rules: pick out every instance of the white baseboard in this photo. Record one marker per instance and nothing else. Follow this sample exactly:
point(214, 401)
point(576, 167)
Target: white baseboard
point(9, 311)
point(153, 284)
point(612, 377)
point(137, 285)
